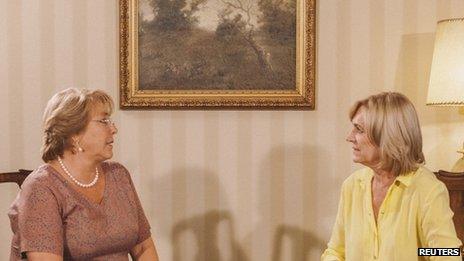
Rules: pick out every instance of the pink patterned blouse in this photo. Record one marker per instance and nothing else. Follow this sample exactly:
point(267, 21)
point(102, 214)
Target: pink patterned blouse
point(49, 215)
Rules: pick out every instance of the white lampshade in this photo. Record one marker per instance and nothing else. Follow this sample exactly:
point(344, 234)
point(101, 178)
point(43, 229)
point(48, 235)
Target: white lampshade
point(446, 85)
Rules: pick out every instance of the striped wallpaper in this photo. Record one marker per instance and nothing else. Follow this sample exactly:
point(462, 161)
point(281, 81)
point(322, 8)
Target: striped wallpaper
point(225, 185)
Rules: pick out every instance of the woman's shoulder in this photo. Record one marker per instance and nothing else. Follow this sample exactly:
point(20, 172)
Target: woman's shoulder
point(42, 176)
point(114, 166)
point(116, 170)
point(44, 183)
point(424, 179)
point(361, 175)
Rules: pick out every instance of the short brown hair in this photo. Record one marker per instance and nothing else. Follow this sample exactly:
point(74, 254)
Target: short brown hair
point(67, 114)
point(392, 125)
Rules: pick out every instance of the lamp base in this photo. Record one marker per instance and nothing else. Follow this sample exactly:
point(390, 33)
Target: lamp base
point(459, 165)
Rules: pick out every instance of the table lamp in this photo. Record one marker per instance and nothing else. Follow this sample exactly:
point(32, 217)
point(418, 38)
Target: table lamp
point(446, 87)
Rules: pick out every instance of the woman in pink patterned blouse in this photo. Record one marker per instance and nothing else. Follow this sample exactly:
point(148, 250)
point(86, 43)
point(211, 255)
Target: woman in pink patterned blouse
point(78, 206)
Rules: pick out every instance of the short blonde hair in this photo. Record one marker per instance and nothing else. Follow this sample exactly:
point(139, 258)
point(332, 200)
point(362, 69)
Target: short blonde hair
point(392, 125)
point(68, 113)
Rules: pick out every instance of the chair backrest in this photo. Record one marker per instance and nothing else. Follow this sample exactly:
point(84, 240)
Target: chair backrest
point(16, 177)
point(455, 184)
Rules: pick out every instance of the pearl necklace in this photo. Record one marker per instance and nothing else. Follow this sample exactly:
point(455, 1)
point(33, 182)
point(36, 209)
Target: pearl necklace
point(75, 180)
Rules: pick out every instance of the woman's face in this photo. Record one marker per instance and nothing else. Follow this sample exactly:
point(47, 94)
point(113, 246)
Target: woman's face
point(98, 137)
point(364, 151)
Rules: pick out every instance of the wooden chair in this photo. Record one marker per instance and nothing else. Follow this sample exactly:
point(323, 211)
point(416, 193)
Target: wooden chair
point(16, 177)
point(455, 184)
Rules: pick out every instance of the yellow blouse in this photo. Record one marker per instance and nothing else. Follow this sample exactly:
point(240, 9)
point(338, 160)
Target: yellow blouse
point(415, 213)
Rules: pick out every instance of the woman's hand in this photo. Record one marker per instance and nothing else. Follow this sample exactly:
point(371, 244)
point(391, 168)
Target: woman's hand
point(144, 251)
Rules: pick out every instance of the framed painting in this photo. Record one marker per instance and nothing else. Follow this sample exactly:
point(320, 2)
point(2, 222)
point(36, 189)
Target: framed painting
point(217, 54)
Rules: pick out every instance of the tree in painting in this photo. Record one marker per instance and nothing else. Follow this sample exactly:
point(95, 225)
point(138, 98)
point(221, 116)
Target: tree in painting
point(217, 44)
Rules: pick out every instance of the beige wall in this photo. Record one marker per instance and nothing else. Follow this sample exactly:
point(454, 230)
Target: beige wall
point(240, 179)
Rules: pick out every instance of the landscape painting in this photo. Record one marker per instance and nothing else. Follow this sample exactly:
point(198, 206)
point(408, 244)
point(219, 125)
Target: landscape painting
point(217, 53)
point(217, 44)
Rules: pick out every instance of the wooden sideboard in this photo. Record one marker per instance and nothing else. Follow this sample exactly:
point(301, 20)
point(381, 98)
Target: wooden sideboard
point(455, 184)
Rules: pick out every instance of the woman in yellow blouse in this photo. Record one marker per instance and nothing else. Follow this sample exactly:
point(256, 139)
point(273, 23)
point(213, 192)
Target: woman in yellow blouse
point(393, 206)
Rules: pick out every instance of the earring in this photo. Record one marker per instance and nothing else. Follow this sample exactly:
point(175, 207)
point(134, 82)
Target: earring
point(79, 148)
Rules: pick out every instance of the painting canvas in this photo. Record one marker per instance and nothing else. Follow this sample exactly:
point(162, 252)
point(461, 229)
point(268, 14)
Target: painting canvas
point(216, 53)
point(217, 44)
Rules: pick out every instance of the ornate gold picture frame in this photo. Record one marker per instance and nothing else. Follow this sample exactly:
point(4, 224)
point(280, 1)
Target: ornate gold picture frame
point(217, 54)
